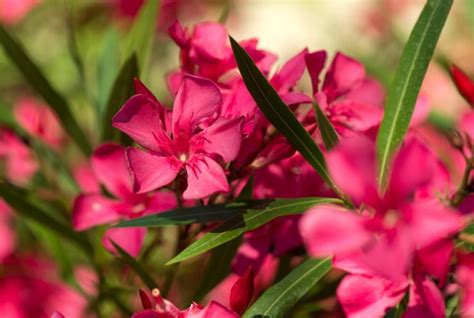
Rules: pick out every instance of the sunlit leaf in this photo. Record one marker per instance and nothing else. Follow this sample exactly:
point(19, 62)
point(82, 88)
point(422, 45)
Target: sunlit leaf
point(406, 84)
point(249, 221)
point(281, 297)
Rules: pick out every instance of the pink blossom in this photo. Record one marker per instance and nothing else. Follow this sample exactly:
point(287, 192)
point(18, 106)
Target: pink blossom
point(92, 208)
point(29, 287)
point(464, 84)
point(349, 98)
point(39, 121)
point(13, 11)
point(20, 165)
point(189, 139)
point(389, 227)
point(159, 307)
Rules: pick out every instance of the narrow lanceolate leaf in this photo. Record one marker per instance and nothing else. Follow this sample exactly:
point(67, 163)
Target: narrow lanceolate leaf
point(278, 113)
point(406, 84)
point(249, 221)
point(27, 207)
point(196, 214)
point(328, 132)
point(43, 87)
point(121, 91)
point(140, 37)
point(281, 297)
point(136, 266)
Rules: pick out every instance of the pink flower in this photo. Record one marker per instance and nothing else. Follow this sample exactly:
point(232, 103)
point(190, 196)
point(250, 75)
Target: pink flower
point(12, 11)
point(389, 227)
point(20, 165)
point(351, 100)
point(163, 308)
point(30, 287)
point(465, 277)
point(93, 208)
point(39, 121)
point(193, 138)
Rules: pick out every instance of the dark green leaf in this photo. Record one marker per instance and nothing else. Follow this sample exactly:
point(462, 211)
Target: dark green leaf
point(328, 132)
point(281, 297)
point(140, 37)
point(137, 268)
point(249, 221)
point(41, 85)
point(278, 113)
point(218, 267)
point(406, 84)
point(121, 91)
point(196, 214)
point(20, 201)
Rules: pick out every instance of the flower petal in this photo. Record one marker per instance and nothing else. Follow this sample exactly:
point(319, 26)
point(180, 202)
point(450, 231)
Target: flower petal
point(93, 209)
point(205, 177)
point(141, 119)
point(129, 239)
point(197, 99)
point(329, 230)
point(290, 73)
point(223, 137)
point(150, 171)
point(111, 169)
point(315, 63)
point(368, 296)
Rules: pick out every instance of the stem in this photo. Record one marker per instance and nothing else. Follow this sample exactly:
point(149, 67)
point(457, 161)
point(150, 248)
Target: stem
point(463, 189)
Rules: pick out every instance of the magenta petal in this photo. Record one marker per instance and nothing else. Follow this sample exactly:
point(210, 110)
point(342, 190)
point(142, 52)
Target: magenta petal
point(141, 119)
point(290, 73)
point(213, 310)
point(343, 75)
point(295, 98)
point(210, 41)
point(223, 137)
point(93, 209)
point(129, 239)
point(352, 166)
point(205, 177)
point(197, 99)
point(315, 64)
point(150, 171)
point(329, 230)
point(111, 169)
point(426, 301)
point(7, 234)
point(365, 296)
point(435, 259)
point(431, 222)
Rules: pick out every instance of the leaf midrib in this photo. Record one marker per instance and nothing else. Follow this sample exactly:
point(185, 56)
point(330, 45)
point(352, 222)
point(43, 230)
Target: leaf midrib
point(385, 153)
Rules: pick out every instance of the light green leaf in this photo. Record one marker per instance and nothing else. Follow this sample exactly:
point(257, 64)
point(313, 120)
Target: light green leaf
point(328, 132)
point(278, 113)
point(249, 221)
point(140, 37)
point(406, 84)
point(280, 298)
point(41, 85)
point(123, 88)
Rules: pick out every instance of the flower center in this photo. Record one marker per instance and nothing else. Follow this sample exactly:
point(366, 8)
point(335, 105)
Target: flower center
point(390, 219)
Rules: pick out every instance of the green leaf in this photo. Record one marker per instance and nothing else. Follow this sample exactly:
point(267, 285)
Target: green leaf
point(195, 214)
point(123, 88)
point(26, 206)
point(137, 267)
point(249, 221)
point(140, 37)
point(41, 85)
point(328, 132)
point(278, 113)
point(218, 267)
point(406, 84)
point(281, 297)
point(107, 70)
